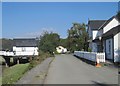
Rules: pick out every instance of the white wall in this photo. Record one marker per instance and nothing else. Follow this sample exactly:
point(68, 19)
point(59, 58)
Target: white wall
point(111, 24)
point(94, 34)
point(26, 53)
point(92, 56)
point(116, 48)
point(25, 50)
point(99, 33)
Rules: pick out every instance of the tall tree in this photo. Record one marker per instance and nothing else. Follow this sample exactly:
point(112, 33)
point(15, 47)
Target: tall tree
point(77, 37)
point(48, 42)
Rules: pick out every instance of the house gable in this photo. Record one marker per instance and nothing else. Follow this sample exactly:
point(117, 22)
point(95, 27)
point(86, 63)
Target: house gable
point(113, 23)
point(93, 26)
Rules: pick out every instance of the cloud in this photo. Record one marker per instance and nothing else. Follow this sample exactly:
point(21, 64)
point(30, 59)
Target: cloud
point(37, 33)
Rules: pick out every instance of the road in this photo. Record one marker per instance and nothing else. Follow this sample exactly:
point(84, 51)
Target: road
point(67, 69)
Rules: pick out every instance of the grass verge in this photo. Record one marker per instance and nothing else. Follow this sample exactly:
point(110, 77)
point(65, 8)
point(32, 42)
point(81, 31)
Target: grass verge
point(0, 81)
point(14, 73)
point(37, 60)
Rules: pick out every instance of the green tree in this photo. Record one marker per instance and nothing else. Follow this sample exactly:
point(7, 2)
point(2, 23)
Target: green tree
point(63, 42)
point(6, 44)
point(48, 42)
point(77, 37)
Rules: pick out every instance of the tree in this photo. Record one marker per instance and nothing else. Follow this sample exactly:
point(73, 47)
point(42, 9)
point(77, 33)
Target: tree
point(63, 42)
point(77, 37)
point(48, 42)
point(6, 44)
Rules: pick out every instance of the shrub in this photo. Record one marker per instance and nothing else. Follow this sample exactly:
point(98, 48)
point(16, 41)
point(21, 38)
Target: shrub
point(89, 50)
point(38, 59)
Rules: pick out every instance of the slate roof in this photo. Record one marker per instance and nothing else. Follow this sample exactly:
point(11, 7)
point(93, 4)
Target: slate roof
point(95, 24)
point(106, 22)
point(109, 20)
point(112, 32)
point(31, 42)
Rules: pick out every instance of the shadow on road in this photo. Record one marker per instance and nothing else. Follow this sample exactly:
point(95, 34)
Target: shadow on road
point(86, 61)
point(110, 65)
point(103, 84)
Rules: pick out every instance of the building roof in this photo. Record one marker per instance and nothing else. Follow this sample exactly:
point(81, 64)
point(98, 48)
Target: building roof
point(31, 42)
point(95, 24)
point(106, 22)
point(109, 20)
point(112, 32)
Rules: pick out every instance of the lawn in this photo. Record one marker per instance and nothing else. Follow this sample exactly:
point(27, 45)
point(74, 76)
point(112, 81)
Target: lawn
point(0, 81)
point(14, 73)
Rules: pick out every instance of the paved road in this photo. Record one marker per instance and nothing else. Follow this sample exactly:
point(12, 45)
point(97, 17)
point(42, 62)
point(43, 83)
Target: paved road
point(67, 69)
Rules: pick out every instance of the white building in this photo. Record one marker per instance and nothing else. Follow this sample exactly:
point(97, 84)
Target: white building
point(61, 49)
point(93, 26)
point(110, 38)
point(107, 38)
point(25, 47)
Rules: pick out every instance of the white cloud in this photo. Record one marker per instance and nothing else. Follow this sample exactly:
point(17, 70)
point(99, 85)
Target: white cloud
point(37, 33)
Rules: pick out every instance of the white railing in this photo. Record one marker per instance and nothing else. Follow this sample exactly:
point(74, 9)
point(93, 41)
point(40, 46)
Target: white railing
point(26, 53)
point(92, 56)
point(4, 53)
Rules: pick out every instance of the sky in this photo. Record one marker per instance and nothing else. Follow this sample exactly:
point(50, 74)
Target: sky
point(30, 19)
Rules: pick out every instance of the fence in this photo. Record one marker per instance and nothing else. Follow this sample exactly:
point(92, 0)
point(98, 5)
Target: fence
point(4, 53)
point(92, 56)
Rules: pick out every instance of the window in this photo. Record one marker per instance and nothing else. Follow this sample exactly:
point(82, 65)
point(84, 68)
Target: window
point(109, 46)
point(23, 49)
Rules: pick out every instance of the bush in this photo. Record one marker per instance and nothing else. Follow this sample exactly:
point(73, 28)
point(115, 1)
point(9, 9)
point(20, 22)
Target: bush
point(41, 57)
point(89, 50)
point(82, 50)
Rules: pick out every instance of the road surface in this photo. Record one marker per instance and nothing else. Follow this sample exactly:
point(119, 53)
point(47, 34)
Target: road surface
point(67, 69)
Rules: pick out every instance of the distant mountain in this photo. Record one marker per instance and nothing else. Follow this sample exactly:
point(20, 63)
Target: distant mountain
point(6, 44)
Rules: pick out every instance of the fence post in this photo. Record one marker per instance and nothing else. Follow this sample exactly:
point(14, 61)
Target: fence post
point(98, 60)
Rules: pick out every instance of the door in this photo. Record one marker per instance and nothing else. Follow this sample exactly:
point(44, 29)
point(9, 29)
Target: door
point(109, 48)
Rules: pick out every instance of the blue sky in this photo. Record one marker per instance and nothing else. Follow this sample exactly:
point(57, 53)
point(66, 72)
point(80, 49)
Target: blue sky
point(20, 19)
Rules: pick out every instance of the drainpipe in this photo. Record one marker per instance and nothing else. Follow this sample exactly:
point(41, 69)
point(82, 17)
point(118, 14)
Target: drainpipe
point(100, 38)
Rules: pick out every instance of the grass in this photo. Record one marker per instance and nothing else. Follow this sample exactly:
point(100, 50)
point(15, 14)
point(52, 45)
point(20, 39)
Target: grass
point(14, 73)
point(37, 60)
point(0, 81)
